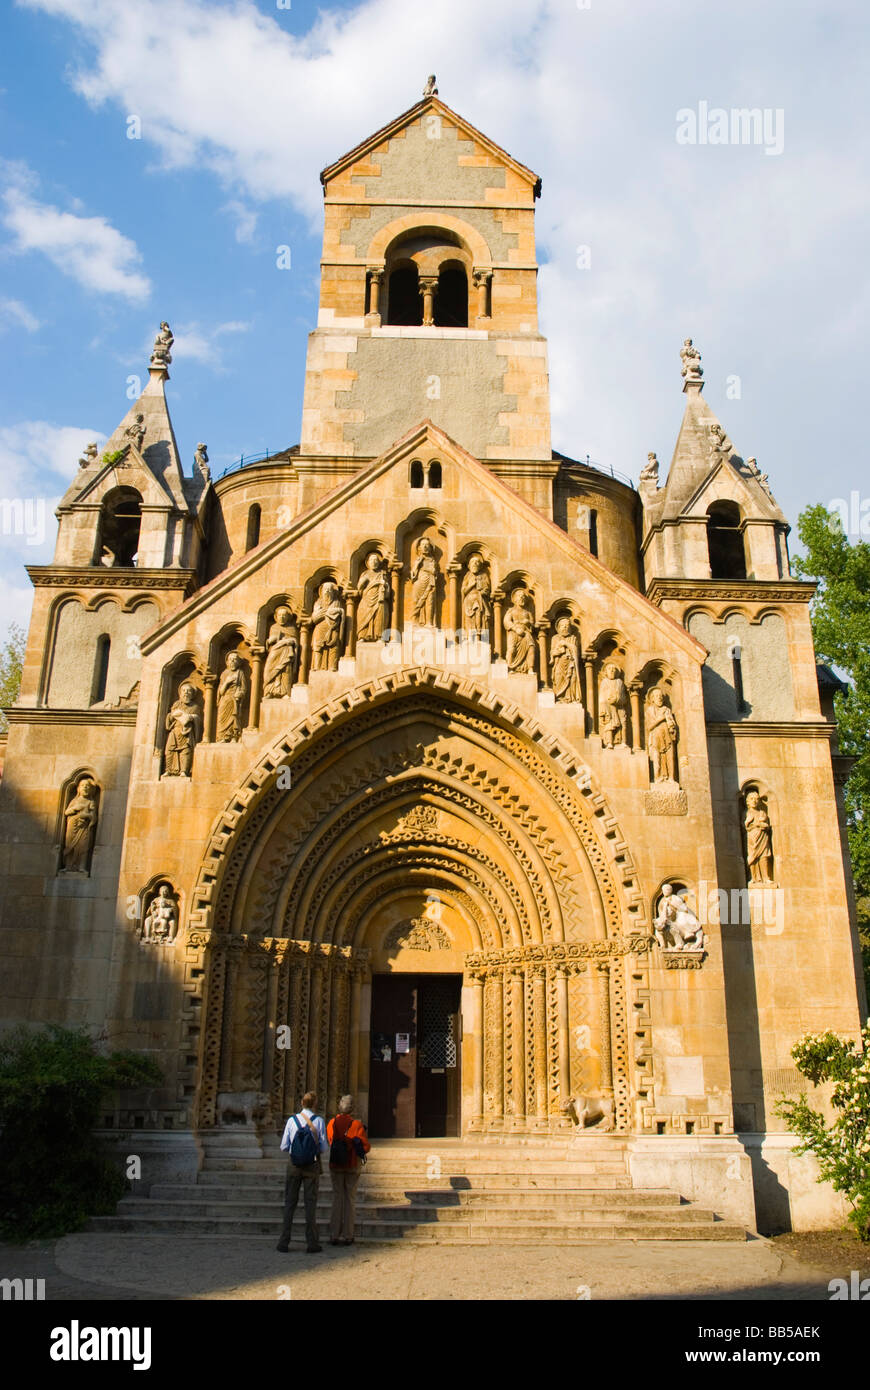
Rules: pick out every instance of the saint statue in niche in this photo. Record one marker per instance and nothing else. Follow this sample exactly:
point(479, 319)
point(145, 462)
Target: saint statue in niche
point(424, 583)
point(374, 599)
point(565, 664)
point(518, 624)
point(282, 658)
point(759, 840)
point(476, 601)
point(184, 730)
point(80, 823)
point(232, 689)
point(661, 736)
point(160, 923)
point(327, 628)
point(612, 707)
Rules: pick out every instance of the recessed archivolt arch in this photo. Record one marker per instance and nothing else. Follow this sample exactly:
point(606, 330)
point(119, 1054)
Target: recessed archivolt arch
point(460, 893)
point(402, 227)
point(559, 771)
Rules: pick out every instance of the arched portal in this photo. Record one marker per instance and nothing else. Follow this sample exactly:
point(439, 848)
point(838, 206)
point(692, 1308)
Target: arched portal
point(420, 831)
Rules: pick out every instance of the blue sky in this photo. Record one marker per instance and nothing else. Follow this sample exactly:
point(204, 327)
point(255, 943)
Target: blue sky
point(761, 257)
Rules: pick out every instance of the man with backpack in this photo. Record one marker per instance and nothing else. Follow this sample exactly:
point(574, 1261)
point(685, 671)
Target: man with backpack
point(349, 1145)
point(304, 1140)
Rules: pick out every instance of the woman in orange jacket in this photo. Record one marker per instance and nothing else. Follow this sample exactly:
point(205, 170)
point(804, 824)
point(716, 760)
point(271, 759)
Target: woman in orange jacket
point(348, 1140)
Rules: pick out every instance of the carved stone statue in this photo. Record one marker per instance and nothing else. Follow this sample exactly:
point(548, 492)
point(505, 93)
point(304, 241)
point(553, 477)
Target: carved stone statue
point(162, 353)
point(374, 599)
point(430, 90)
point(135, 433)
point(518, 624)
point(282, 659)
point(691, 360)
point(108, 557)
point(676, 927)
point(231, 692)
point(759, 840)
point(661, 736)
point(89, 456)
point(327, 628)
point(79, 828)
point(476, 600)
point(160, 923)
point(720, 444)
point(200, 462)
point(424, 583)
point(761, 478)
point(184, 726)
point(612, 707)
point(565, 664)
point(650, 471)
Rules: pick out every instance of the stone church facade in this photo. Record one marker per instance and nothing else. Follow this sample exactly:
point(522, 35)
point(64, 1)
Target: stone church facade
point(422, 761)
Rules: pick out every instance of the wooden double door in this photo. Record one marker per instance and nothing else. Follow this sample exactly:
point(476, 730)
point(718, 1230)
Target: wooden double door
point(414, 1077)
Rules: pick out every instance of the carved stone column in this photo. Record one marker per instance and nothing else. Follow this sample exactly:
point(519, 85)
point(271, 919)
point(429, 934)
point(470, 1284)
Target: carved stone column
point(339, 1027)
point(355, 1010)
point(376, 279)
point(564, 1039)
point(634, 690)
point(605, 1047)
point(539, 1016)
point(257, 655)
point(498, 598)
point(352, 596)
point(301, 1030)
point(482, 281)
point(235, 948)
point(589, 659)
point(454, 610)
point(209, 680)
point(544, 651)
point(493, 1023)
point(428, 289)
point(305, 652)
point(396, 616)
point(475, 983)
point(515, 1081)
point(315, 1023)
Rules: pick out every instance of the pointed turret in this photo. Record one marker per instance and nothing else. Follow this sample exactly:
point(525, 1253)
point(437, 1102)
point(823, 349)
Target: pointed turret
point(130, 503)
point(715, 517)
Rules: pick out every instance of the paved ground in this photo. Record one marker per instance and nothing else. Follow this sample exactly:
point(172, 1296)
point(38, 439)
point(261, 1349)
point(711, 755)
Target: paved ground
point(135, 1267)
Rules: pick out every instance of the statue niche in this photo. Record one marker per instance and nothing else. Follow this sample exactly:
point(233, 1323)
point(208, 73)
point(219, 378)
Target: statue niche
point(477, 600)
point(565, 663)
point(183, 732)
point(327, 627)
point(79, 826)
point(759, 839)
point(232, 693)
point(425, 581)
point(661, 737)
point(159, 921)
point(373, 608)
point(282, 654)
point(613, 708)
point(519, 627)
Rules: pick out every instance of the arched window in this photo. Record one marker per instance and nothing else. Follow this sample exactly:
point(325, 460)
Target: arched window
point(404, 302)
point(416, 473)
point(101, 669)
point(120, 520)
point(451, 301)
point(253, 535)
point(434, 473)
point(725, 541)
point(593, 531)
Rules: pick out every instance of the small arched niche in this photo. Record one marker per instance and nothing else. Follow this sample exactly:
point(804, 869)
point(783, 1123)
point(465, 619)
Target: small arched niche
point(725, 545)
point(118, 531)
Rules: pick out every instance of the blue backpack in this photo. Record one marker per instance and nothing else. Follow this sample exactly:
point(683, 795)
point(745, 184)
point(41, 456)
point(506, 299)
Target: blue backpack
point(304, 1146)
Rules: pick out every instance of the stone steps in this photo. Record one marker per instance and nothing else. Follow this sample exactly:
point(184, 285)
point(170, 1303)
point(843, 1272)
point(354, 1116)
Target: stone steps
point(582, 1212)
point(373, 1192)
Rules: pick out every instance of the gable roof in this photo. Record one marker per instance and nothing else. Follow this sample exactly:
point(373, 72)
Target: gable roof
point(426, 432)
point(413, 114)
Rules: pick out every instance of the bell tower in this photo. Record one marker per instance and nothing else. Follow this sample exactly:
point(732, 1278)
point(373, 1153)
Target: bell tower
point(428, 297)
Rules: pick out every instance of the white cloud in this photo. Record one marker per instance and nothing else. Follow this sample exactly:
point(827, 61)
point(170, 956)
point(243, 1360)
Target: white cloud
point(14, 314)
point(16, 602)
point(197, 344)
point(245, 219)
point(37, 457)
point(88, 249)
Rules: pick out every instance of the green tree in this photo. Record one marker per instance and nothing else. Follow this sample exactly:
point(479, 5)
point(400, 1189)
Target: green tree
point(840, 615)
point(11, 662)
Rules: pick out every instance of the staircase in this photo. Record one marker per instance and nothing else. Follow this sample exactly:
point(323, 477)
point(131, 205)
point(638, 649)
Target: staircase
point(450, 1192)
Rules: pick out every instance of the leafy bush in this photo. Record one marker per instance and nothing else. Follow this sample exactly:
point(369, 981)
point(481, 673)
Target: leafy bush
point(843, 1149)
point(114, 456)
point(54, 1173)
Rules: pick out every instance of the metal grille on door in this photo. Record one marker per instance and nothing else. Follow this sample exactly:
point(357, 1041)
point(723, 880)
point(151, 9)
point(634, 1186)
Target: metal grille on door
point(438, 1044)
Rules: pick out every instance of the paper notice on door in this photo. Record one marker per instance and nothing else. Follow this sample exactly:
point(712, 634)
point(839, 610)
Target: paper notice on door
point(403, 1043)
